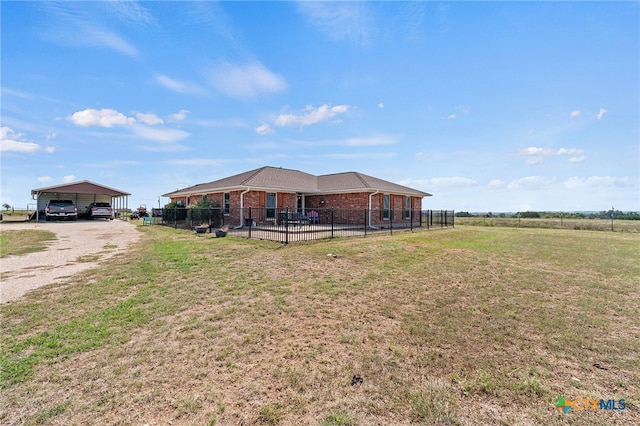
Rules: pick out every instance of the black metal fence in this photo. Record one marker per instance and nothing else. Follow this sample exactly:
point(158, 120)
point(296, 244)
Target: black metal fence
point(289, 225)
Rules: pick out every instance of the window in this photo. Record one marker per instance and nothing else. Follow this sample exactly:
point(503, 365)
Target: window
point(386, 206)
point(271, 205)
point(407, 208)
point(227, 203)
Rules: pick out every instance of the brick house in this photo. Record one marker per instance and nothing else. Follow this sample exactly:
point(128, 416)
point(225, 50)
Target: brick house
point(272, 189)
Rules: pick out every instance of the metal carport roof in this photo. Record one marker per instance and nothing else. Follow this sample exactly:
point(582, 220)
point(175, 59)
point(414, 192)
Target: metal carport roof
point(81, 187)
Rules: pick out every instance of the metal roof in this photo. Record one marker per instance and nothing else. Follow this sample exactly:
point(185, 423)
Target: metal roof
point(287, 180)
point(81, 187)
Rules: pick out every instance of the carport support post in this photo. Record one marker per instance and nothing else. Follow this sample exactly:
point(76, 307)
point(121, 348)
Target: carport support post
point(37, 209)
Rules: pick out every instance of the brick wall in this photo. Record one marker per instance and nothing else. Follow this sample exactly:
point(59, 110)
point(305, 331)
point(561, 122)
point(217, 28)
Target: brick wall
point(350, 201)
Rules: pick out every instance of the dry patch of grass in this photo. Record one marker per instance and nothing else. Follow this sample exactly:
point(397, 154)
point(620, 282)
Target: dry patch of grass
point(22, 241)
point(460, 326)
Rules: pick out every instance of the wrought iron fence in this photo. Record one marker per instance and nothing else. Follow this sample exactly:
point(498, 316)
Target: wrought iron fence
point(290, 225)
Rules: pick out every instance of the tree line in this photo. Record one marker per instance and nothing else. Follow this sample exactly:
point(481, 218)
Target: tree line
point(604, 214)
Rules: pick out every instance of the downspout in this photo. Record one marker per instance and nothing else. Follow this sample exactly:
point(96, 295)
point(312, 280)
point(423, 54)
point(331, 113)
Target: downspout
point(242, 207)
point(370, 197)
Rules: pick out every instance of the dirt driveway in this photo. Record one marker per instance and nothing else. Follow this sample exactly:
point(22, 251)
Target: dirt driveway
point(79, 246)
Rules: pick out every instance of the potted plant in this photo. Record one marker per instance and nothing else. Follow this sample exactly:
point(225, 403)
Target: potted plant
point(221, 232)
point(201, 229)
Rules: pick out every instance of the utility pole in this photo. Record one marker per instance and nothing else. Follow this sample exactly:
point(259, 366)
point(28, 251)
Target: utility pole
point(612, 210)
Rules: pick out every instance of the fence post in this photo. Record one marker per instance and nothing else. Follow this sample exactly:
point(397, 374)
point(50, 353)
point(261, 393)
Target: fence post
point(250, 222)
point(411, 220)
point(391, 222)
point(286, 225)
point(332, 216)
point(365, 221)
point(453, 219)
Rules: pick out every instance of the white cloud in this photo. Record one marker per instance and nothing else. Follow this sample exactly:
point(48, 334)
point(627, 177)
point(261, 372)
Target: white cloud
point(68, 178)
point(496, 184)
point(570, 151)
point(10, 141)
point(44, 179)
point(535, 155)
point(532, 183)
point(380, 105)
point(264, 129)
point(150, 119)
point(177, 86)
point(534, 151)
point(448, 183)
point(196, 162)
point(451, 117)
point(601, 113)
point(245, 82)
point(10, 145)
point(575, 113)
point(360, 155)
point(371, 141)
point(179, 116)
point(75, 25)
point(109, 118)
point(96, 36)
point(591, 182)
point(163, 135)
point(576, 160)
point(131, 12)
point(102, 118)
point(351, 21)
point(310, 116)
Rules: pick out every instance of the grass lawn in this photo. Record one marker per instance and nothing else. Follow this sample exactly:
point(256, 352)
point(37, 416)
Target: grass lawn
point(24, 241)
point(472, 325)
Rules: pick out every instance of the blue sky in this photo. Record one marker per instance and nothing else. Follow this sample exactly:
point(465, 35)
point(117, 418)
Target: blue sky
point(489, 106)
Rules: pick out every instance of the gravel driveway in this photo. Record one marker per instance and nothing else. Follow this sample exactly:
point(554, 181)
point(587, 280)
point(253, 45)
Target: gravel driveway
point(79, 246)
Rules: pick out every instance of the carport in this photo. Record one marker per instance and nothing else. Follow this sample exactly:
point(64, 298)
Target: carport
point(82, 194)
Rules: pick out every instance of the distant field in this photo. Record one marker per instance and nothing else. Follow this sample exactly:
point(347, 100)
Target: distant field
point(16, 215)
point(472, 325)
point(554, 223)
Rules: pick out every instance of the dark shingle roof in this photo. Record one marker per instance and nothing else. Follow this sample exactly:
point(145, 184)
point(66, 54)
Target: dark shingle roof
point(274, 178)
